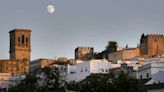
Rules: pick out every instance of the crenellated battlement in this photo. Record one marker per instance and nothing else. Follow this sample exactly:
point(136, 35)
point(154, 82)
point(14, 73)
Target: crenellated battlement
point(156, 36)
point(85, 48)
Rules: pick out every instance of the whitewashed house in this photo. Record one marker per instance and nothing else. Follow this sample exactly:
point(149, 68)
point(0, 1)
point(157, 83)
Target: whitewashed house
point(82, 69)
point(150, 67)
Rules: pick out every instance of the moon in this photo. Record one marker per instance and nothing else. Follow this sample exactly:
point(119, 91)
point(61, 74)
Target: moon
point(50, 8)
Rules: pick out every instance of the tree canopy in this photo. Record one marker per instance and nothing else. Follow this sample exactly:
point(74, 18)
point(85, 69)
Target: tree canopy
point(104, 83)
point(53, 82)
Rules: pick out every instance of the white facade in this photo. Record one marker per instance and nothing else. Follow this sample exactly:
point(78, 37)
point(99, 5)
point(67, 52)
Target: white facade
point(4, 80)
point(83, 69)
point(7, 80)
point(147, 70)
point(156, 78)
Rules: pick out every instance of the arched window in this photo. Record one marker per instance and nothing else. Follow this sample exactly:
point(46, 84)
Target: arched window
point(22, 39)
point(26, 40)
point(19, 40)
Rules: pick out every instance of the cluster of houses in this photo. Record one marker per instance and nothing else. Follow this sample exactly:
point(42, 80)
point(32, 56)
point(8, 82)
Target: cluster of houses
point(151, 70)
point(144, 62)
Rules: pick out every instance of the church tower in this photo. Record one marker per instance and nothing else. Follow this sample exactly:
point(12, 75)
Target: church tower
point(20, 47)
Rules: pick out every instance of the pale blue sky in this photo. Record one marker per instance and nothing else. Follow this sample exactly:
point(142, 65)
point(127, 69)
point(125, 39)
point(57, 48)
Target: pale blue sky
point(79, 23)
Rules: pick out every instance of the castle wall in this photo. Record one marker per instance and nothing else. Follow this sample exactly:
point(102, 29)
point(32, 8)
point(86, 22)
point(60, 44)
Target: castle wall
point(125, 54)
point(130, 53)
point(115, 56)
point(14, 66)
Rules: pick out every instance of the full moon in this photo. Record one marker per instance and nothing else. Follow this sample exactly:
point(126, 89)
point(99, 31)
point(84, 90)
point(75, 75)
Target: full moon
point(51, 8)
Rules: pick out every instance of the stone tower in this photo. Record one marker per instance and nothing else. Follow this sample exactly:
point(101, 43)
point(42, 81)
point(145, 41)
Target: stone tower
point(84, 53)
point(20, 47)
point(152, 45)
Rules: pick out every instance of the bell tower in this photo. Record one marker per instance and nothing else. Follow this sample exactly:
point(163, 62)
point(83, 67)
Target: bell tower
point(20, 47)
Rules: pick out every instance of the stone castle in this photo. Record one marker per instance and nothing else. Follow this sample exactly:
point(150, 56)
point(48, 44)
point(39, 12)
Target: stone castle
point(152, 45)
point(20, 49)
point(84, 53)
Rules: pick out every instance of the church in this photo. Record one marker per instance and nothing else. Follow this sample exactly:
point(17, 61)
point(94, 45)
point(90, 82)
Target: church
point(20, 49)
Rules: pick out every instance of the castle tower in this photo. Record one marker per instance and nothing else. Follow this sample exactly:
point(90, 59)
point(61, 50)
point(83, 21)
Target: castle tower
point(152, 45)
point(84, 53)
point(20, 47)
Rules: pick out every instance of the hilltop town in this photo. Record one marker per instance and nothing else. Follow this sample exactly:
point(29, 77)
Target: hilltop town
point(143, 62)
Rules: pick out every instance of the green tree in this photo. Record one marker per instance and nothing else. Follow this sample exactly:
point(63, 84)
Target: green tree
point(107, 83)
point(53, 81)
point(124, 83)
point(93, 83)
point(29, 84)
point(112, 46)
point(73, 86)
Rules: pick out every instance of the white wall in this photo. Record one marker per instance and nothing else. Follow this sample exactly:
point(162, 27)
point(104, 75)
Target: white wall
point(7, 80)
point(156, 67)
point(4, 80)
point(78, 72)
point(150, 69)
point(83, 69)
